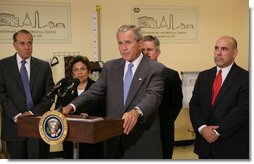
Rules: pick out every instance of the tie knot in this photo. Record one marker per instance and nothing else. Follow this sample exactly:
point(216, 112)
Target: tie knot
point(130, 65)
point(23, 62)
point(220, 71)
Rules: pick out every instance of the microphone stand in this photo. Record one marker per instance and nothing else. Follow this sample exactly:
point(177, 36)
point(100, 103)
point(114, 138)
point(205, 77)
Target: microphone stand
point(51, 98)
point(60, 108)
point(75, 150)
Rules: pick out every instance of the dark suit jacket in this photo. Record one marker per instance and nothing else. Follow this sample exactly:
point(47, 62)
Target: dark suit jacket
point(169, 109)
point(145, 92)
point(230, 112)
point(12, 94)
point(93, 108)
point(90, 108)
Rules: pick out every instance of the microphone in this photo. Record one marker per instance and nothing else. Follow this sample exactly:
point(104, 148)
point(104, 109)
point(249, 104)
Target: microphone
point(74, 84)
point(62, 83)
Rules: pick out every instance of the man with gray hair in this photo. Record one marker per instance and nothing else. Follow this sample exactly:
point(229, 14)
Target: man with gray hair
point(172, 97)
point(133, 86)
point(24, 83)
point(219, 107)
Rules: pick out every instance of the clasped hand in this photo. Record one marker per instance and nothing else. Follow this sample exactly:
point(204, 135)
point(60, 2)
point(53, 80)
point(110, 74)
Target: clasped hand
point(209, 134)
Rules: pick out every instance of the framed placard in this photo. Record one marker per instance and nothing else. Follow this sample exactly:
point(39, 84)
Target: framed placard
point(47, 21)
point(168, 23)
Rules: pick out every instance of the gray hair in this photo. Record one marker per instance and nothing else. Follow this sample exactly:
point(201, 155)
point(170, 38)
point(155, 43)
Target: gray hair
point(153, 39)
point(233, 41)
point(135, 29)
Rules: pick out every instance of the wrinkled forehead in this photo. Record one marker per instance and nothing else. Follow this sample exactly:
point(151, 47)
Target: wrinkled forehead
point(224, 42)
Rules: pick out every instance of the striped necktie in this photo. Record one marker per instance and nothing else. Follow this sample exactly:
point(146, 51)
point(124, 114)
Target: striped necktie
point(216, 86)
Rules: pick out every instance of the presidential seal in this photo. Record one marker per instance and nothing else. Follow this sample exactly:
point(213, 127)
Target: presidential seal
point(53, 127)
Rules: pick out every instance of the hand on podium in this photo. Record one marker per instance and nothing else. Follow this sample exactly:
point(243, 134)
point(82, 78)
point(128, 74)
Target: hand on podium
point(84, 115)
point(67, 109)
point(27, 113)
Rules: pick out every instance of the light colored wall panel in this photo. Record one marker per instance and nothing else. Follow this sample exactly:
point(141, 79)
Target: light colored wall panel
point(216, 18)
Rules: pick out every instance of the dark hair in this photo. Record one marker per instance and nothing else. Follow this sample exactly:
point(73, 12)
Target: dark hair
point(234, 43)
point(74, 60)
point(14, 37)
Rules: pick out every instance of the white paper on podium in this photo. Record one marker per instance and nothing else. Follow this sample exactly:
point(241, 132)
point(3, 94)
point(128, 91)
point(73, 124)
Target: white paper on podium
point(85, 119)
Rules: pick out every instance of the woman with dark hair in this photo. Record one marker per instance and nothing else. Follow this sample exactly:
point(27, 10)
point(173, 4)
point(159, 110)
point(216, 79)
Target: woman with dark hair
point(79, 67)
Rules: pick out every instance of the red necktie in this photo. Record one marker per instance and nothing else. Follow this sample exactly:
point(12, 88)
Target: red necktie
point(216, 86)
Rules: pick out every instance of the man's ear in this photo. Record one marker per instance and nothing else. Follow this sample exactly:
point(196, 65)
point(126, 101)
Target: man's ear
point(158, 53)
point(140, 43)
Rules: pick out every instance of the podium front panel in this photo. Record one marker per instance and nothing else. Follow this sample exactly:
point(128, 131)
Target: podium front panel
point(92, 130)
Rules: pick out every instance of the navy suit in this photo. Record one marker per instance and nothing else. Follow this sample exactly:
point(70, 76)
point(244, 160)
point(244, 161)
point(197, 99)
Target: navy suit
point(12, 94)
point(230, 112)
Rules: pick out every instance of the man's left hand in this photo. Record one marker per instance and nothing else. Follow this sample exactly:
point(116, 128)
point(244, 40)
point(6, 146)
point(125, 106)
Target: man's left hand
point(130, 119)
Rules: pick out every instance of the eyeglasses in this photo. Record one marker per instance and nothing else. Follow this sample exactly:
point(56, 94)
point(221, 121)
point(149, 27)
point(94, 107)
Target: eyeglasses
point(22, 44)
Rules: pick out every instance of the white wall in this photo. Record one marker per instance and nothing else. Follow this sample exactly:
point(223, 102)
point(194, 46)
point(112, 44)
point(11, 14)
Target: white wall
point(216, 18)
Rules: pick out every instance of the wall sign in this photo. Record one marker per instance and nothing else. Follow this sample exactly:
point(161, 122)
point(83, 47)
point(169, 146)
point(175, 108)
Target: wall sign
point(48, 22)
point(169, 24)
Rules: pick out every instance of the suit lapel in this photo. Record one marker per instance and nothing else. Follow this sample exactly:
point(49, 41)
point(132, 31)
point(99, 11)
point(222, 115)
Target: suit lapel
point(33, 72)
point(137, 81)
point(15, 72)
point(210, 81)
point(119, 72)
point(227, 83)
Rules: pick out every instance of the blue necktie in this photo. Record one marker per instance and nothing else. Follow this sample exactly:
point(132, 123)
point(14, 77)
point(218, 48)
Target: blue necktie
point(24, 77)
point(127, 81)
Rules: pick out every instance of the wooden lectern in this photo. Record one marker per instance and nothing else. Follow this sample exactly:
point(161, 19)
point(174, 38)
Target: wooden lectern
point(90, 130)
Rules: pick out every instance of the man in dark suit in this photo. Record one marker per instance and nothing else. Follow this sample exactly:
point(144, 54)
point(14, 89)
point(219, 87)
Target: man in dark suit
point(172, 97)
point(222, 125)
point(140, 111)
point(13, 97)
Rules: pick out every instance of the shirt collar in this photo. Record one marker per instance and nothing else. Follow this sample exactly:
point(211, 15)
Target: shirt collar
point(225, 69)
point(136, 61)
point(19, 59)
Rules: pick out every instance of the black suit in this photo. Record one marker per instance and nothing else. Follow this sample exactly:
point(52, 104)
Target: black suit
point(230, 112)
point(94, 108)
point(169, 109)
point(13, 100)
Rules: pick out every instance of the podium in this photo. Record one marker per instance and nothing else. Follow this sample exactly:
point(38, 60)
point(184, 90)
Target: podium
point(92, 130)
